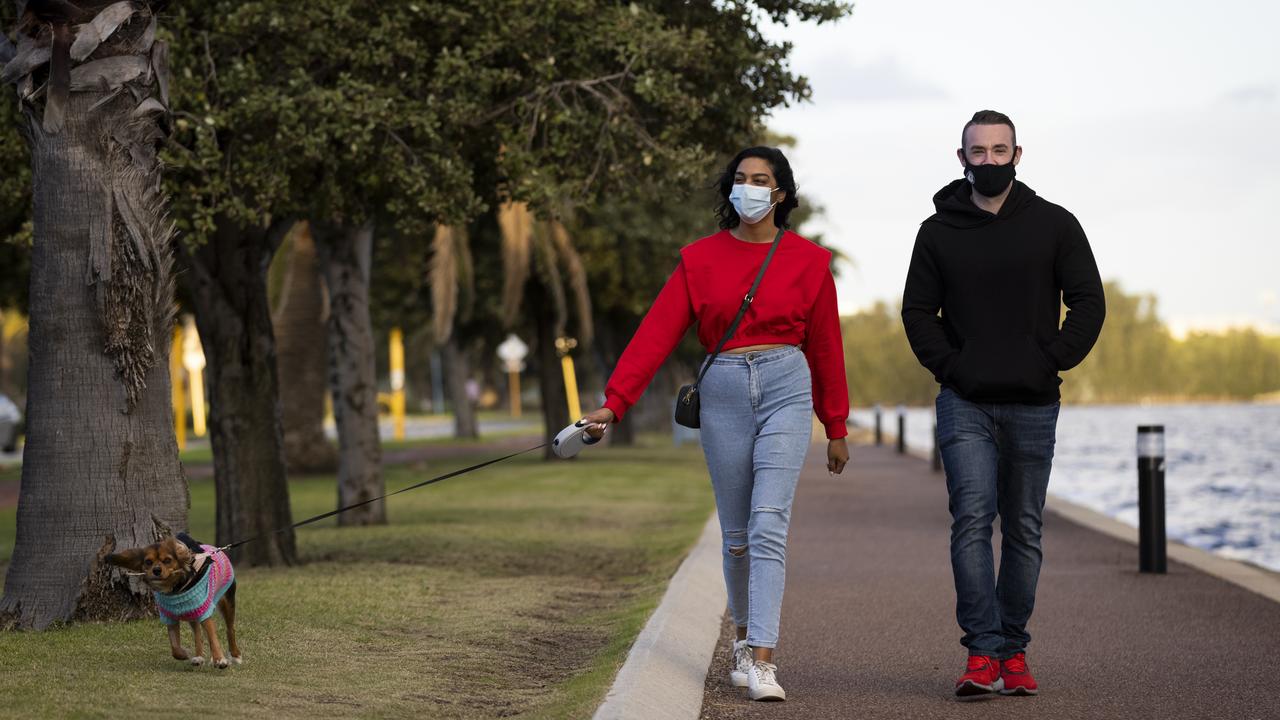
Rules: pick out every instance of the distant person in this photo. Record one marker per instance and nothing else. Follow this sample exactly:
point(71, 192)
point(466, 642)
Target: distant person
point(998, 261)
point(784, 362)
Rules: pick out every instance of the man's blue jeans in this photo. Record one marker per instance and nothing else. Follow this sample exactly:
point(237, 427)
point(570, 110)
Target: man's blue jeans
point(997, 459)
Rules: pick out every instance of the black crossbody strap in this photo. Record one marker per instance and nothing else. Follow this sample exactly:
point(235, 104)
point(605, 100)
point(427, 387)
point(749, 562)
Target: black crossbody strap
point(746, 302)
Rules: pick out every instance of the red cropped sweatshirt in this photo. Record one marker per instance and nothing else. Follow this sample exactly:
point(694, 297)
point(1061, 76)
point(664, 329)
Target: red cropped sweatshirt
point(795, 304)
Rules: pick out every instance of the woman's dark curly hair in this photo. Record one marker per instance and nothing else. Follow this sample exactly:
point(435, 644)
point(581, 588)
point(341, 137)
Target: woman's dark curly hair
point(728, 217)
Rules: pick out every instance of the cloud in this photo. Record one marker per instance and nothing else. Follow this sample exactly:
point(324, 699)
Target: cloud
point(1252, 95)
point(883, 80)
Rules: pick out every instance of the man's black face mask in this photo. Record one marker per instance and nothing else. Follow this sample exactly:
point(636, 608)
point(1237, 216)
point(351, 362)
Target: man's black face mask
point(989, 180)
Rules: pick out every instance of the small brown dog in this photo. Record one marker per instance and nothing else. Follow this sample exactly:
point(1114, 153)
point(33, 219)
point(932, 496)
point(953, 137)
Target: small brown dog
point(190, 581)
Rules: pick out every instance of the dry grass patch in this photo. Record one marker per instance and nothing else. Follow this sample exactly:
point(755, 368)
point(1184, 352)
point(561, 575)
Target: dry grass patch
point(515, 591)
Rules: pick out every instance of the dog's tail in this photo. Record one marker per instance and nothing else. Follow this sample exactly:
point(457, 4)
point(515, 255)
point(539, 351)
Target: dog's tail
point(192, 544)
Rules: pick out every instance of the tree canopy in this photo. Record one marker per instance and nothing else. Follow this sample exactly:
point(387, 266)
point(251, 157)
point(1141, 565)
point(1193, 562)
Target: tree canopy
point(426, 112)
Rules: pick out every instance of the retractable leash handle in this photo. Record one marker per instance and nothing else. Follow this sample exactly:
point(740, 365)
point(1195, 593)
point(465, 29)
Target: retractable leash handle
point(572, 439)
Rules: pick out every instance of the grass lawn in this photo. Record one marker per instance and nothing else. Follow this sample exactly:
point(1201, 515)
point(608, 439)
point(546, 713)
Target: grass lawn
point(513, 591)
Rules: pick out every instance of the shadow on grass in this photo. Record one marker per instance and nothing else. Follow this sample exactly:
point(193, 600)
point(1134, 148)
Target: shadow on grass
point(516, 590)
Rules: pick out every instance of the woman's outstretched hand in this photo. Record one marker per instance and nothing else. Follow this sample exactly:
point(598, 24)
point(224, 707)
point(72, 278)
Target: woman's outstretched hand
point(837, 455)
point(598, 421)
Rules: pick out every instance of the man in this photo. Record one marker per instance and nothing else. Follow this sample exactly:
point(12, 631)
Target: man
point(998, 261)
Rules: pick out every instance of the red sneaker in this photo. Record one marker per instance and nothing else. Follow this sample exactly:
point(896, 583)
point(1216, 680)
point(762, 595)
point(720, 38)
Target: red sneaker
point(981, 676)
point(1017, 676)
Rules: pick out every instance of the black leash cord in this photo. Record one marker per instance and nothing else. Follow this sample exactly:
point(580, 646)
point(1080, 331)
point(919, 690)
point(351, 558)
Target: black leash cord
point(331, 513)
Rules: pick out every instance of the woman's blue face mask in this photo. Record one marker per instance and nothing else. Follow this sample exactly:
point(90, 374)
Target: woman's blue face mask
point(752, 202)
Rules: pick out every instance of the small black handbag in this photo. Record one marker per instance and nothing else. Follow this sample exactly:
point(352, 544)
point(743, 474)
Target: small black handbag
point(687, 402)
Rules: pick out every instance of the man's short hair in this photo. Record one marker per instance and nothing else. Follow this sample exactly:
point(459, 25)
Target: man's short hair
point(989, 117)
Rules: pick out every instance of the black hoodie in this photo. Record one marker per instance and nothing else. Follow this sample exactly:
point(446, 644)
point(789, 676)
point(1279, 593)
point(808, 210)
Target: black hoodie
point(999, 281)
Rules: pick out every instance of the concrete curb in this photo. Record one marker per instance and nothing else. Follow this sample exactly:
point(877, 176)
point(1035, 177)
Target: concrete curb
point(666, 669)
point(1255, 579)
point(1237, 572)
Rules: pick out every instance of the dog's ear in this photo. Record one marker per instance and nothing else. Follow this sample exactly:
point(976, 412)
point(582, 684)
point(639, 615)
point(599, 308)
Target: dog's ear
point(129, 559)
point(178, 550)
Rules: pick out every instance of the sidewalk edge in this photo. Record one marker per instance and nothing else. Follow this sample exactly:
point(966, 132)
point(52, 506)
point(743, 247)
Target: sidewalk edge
point(666, 669)
point(1236, 572)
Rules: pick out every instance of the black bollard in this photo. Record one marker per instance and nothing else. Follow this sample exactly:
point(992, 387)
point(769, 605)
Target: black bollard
point(902, 430)
point(1151, 535)
point(879, 433)
point(937, 450)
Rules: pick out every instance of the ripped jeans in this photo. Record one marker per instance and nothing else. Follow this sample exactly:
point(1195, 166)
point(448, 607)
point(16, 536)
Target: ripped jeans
point(757, 418)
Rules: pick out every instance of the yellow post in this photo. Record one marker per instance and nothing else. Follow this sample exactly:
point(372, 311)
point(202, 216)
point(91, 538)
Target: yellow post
point(179, 397)
point(513, 382)
point(571, 388)
point(397, 382)
point(13, 325)
point(564, 345)
point(193, 360)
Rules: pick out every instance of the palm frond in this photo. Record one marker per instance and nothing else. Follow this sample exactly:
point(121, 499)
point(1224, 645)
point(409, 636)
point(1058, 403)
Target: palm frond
point(516, 223)
point(577, 272)
point(443, 274)
point(545, 258)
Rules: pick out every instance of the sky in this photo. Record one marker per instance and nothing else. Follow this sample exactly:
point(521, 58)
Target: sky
point(1156, 123)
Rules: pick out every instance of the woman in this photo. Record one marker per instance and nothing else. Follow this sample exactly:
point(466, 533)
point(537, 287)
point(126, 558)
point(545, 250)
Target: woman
point(784, 362)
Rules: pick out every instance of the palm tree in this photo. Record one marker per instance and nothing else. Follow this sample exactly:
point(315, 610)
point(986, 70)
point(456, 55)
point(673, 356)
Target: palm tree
point(101, 468)
point(452, 280)
point(299, 315)
point(536, 256)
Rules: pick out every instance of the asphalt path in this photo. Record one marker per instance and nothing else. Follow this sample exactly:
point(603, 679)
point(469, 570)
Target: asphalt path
point(868, 621)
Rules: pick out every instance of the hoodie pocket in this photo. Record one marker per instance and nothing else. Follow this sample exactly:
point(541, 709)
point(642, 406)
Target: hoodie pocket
point(1002, 367)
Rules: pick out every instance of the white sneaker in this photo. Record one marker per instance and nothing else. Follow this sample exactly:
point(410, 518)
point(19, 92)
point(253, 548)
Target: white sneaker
point(762, 682)
point(742, 662)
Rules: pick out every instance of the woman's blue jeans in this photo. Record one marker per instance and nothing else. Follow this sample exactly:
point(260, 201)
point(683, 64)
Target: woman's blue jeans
point(756, 417)
point(997, 459)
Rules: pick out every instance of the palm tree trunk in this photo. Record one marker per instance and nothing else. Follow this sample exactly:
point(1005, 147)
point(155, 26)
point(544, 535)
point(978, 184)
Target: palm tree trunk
point(4, 356)
point(612, 343)
point(555, 409)
point(101, 469)
point(229, 290)
point(457, 371)
point(346, 255)
point(299, 320)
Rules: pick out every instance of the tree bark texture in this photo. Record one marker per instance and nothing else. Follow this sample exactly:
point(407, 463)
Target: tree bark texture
point(555, 409)
point(100, 471)
point(346, 254)
point(299, 320)
point(611, 344)
point(4, 360)
point(228, 286)
point(457, 370)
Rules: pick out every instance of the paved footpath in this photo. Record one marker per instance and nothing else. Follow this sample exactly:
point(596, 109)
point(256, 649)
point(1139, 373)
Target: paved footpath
point(868, 624)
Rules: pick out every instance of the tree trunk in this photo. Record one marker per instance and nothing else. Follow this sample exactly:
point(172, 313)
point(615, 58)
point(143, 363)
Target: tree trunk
point(555, 409)
point(100, 471)
point(611, 346)
point(346, 255)
point(229, 290)
point(4, 356)
point(299, 321)
point(418, 350)
point(457, 371)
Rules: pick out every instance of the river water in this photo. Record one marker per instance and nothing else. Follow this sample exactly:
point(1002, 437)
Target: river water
point(1222, 474)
